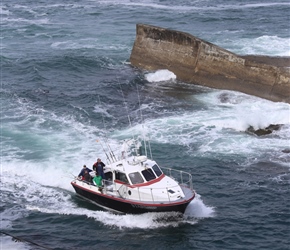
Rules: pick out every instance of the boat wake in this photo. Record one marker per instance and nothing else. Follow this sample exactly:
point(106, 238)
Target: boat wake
point(195, 211)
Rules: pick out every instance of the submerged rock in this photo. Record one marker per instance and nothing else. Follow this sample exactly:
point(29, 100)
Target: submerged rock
point(264, 131)
point(286, 151)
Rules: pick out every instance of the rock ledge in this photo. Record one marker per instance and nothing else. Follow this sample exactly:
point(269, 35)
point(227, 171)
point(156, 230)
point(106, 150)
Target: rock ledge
point(196, 61)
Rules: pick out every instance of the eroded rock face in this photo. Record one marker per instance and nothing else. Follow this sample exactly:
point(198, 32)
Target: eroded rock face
point(196, 61)
point(264, 131)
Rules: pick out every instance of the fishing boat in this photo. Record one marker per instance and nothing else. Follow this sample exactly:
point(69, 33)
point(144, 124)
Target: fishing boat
point(136, 184)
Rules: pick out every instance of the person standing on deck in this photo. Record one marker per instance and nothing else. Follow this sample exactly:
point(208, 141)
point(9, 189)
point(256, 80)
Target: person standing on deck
point(99, 168)
point(97, 180)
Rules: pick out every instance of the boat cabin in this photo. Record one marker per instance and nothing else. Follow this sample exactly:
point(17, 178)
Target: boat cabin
point(127, 173)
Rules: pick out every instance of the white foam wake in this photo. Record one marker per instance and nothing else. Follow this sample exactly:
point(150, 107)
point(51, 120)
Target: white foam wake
point(195, 211)
point(160, 75)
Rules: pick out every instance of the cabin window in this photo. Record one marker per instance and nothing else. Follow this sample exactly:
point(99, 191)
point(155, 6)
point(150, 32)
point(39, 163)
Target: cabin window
point(122, 177)
point(157, 170)
point(136, 178)
point(109, 176)
point(148, 174)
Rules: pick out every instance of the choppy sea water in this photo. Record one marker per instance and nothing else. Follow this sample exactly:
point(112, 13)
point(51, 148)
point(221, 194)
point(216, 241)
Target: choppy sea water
point(66, 82)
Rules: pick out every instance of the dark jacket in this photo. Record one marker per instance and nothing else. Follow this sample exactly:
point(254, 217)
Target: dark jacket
point(99, 168)
point(85, 174)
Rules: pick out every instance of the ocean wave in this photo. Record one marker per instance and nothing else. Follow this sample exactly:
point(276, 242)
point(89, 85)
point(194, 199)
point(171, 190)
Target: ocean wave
point(189, 6)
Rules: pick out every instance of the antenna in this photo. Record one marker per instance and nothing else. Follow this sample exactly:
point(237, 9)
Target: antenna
point(142, 121)
point(113, 158)
point(126, 106)
point(143, 134)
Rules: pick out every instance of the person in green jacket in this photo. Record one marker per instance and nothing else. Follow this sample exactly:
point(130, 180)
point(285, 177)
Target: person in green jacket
point(98, 181)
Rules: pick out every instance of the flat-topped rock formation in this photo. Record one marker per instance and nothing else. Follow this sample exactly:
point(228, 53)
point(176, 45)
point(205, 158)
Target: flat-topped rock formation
point(196, 61)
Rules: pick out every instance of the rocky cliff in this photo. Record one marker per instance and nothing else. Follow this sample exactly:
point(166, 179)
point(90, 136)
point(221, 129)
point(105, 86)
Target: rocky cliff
point(196, 61)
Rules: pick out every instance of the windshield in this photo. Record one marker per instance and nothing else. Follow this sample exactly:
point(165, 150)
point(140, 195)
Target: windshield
point(157, 170)
point(136, 178)
point(121, 177)
point(148, 174)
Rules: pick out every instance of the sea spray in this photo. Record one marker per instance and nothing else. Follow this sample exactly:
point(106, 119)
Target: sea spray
point(160, 75)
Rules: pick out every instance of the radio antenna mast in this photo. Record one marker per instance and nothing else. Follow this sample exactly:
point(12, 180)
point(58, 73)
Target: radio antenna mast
point(113, 158)
point(127, 109)
point(143, 133)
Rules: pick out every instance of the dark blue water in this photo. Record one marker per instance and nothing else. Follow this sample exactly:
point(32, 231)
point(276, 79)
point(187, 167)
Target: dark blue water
point(67, 86)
